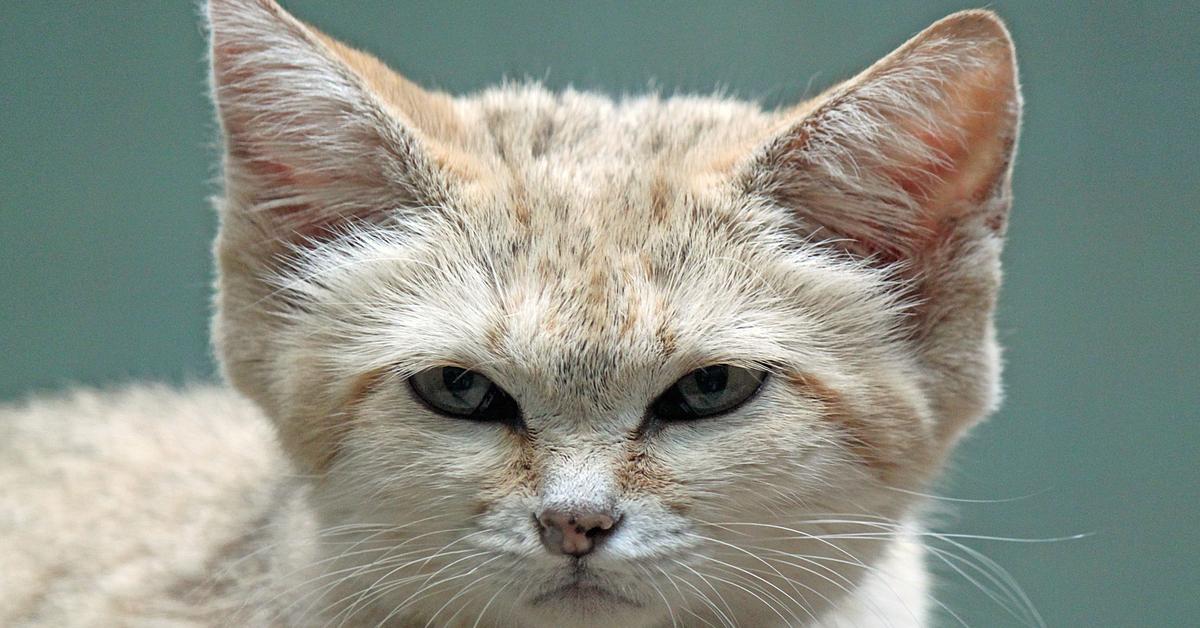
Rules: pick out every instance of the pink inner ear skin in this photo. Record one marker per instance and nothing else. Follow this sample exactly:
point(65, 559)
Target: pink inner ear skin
point(301, 223)
point(974, 143)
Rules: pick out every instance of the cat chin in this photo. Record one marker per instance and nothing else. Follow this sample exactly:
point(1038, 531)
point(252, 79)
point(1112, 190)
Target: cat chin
point(587, 597)
point(585, 605)
point(582, 596)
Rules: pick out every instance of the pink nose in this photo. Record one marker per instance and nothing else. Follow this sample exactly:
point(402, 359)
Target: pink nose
point(574, 533)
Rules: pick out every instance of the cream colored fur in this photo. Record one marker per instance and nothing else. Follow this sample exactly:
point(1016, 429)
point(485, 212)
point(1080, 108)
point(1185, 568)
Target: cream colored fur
point(583, 253)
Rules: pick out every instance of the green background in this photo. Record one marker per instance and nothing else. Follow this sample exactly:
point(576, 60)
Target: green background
point(106, 140)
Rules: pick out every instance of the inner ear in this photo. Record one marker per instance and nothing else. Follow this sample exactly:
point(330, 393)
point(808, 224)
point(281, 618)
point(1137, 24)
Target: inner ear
point(966, 135)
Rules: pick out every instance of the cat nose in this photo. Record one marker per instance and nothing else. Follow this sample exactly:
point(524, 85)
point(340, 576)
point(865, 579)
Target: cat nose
point(575, 533)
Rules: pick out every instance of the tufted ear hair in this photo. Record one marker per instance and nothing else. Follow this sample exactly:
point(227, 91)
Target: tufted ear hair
point(316, 134)
point(908, 165)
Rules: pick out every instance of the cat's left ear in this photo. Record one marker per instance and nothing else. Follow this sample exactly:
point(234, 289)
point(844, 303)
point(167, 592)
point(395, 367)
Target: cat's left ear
point(908, 166)
point(892, 159)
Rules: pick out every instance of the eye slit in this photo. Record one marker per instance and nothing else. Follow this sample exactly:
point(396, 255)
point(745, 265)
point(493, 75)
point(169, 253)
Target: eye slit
point(464, 394)
point(707, 392)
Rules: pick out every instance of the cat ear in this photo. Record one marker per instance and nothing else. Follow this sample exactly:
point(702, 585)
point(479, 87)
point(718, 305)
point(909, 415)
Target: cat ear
point(890, 162)
point(316, 134)
point(909, 163)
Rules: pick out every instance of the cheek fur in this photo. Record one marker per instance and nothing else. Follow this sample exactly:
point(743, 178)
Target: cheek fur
point(317, 440)
point(884, 441)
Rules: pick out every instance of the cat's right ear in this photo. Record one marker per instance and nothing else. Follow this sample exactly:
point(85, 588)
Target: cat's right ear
point(316, 135)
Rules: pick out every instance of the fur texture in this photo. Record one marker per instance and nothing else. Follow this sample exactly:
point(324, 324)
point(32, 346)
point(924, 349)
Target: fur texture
point(584, 254)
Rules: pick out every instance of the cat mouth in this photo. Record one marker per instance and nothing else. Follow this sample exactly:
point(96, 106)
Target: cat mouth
point(582, 590)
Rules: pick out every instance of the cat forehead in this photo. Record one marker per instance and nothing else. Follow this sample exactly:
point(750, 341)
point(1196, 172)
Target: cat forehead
point(531, 119)
point(599, 237)
point(588, 314)
point(577, 183)
point(592, 153)
point(610, 228)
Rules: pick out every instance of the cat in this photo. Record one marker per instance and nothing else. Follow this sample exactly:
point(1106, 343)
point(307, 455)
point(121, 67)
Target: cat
point(525, 358)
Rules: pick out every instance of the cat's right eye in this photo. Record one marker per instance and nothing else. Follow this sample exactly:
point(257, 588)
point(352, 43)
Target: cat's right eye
point(464, 394)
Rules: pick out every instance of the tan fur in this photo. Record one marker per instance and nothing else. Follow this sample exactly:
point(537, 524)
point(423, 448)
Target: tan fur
point(886, 447)
point(583, 253)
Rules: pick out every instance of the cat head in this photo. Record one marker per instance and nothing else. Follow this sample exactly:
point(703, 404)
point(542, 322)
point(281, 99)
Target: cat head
point(588, 351)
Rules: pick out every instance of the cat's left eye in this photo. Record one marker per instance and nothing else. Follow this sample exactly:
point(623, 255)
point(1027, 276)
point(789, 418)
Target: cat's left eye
point(465, 394)
point(706, 392)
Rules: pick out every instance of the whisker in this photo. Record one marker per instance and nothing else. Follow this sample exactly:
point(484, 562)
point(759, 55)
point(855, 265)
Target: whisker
point(483, 611)
point(428, 587)
point(462, 592)
point(754, 595)
point(657, 589)
point(726, 618)
point(803, 605)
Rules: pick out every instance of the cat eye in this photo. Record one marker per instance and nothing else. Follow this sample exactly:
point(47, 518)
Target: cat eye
point(706, 392)
point(460, 393)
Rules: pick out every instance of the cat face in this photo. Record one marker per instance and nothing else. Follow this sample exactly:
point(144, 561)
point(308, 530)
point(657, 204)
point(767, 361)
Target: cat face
point(585, 331)
point(475, 322)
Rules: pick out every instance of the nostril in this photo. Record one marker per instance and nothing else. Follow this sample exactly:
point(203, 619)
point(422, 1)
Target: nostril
point(574, 533)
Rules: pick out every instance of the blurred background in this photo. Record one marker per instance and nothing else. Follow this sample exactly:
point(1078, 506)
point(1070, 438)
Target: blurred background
point(106, 140)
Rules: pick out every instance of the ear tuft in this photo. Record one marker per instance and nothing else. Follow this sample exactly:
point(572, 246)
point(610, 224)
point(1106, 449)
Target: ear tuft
point(919, 141)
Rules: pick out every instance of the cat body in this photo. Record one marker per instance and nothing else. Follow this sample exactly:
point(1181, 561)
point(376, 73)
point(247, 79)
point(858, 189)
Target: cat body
point(585, 261)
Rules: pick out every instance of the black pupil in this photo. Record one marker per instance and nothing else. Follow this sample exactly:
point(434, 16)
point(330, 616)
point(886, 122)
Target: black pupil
point(713, 379)
point(457, 380)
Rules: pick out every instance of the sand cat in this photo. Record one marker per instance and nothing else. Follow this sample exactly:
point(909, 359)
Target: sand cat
point(527, 358)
